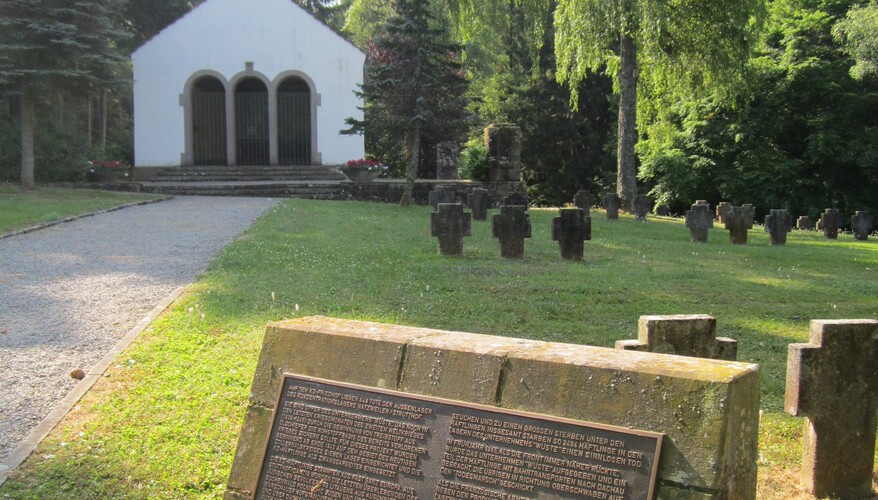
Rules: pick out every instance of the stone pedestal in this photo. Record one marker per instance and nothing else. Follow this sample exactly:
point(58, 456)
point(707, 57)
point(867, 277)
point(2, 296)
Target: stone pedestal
point(570, 229)
point(511, 226)
point(862, 223)
point(611, 205)
point(450, 224)
point(504, 152)
point(479, 201)
point(447, 154)
point(777, 224)
point(699, 220)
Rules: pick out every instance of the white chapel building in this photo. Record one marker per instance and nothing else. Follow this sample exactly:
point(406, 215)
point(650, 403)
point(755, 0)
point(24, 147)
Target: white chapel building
point(246, 82)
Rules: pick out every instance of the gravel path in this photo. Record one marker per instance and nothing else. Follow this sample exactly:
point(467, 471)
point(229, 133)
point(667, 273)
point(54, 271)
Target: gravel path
point(70, 292)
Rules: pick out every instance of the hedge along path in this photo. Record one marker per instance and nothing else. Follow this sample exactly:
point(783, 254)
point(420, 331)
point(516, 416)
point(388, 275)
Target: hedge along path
point(71, 292)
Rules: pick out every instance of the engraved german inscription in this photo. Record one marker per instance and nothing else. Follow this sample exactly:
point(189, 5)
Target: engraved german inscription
point(331, 440)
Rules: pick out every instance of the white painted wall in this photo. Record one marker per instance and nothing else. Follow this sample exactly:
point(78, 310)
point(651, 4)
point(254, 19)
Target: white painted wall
point(221, 35)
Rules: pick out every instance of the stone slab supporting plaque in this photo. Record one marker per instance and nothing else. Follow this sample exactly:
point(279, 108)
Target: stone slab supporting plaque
point(336, 440)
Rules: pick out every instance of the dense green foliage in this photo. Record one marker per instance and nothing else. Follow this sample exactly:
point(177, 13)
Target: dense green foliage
point(414, 90)
point(802, 137)
point(858, 31)
point(165, 421)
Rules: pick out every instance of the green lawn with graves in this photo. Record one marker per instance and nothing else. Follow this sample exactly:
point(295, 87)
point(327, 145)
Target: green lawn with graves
point(164, 422)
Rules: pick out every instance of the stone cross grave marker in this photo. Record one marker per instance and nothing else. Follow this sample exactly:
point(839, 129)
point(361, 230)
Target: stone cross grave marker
point(738, 220)
point(511, 226)
point(862, 224)
point(442, 194)
point(641, 207)
point(515, 198)
point(450, 224)
point(830, 222)
point(692, 335)
point(612, 204)
point(570, 229)
point(804, 223)
point(777, 224)
point(722, 211)
point(833, 382)
point(584, 200)
point(479, 202)
point(663, 210)
point(699, 220)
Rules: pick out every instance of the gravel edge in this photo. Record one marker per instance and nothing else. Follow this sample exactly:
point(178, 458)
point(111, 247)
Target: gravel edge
point(30, 443)
point(37, 227)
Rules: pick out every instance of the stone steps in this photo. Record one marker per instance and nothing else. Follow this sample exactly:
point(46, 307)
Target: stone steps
point(275, 190)
point(246, 174)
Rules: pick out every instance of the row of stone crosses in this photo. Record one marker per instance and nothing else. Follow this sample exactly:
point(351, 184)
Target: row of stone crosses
point(832, 382)
point(778, 222)
point(450, 224)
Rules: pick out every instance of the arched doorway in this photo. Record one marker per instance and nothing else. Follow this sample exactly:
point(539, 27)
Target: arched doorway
point(208, 122)
point(251, 122)
point(294, 122)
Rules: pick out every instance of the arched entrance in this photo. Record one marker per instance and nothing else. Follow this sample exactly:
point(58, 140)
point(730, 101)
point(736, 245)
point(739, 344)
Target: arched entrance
point(294, 122)
point(208, 122)
point(252, 143)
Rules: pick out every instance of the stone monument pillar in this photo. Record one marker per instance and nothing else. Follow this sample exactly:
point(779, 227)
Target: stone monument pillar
point(504, 152)
point(447, 154)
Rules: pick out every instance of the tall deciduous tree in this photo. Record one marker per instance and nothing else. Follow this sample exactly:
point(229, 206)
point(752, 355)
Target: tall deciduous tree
point(414, 88)
point(858, 32)
point(658, 51)
point(54, 44)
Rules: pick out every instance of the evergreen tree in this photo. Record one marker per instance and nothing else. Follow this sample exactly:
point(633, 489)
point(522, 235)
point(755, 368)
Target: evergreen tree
point(415, 88)
point(54, 44)
point(331, 12)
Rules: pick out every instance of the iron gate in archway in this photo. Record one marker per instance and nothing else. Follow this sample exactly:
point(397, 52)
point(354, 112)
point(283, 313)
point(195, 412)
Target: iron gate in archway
point(294, 122)
point(209, 122)
point(251, 122)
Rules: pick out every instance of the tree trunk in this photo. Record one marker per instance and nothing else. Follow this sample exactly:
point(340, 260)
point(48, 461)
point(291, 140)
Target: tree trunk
point(411, 171)
point(88, 123)
point(104, 120)
point(626, 180)
point(27, 139)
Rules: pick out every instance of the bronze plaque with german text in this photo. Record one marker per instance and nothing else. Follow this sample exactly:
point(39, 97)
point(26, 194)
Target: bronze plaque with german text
point(332, 440)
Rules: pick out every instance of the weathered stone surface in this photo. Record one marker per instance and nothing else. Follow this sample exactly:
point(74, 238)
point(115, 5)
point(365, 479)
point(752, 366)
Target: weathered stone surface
point(612, 203)
point(479, 201)
point(447, 154)
point(684, 335)
point(584, 200)
point(641, 206)
point(699, 220)
point(450, 224)
point(777, 224)
point(830, 222)
point(722, 211)
point(737, 221)
point(516, 198)
point(833, 382)
point(804, 223)
point(504, 152)
point(511, 226)
point(248, 455)
point(862, 223)
point(707, 409)
point(442, 194)
point(461, 366)
point(570, 229)
point(663, 210)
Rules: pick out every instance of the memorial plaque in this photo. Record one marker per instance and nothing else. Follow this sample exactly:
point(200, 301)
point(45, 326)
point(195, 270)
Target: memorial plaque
point(333, 440)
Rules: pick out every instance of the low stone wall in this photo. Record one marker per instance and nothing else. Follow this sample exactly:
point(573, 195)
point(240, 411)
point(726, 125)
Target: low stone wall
point(708, 410)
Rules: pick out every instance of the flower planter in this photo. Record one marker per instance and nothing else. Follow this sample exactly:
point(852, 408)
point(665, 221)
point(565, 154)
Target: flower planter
point(359, 174)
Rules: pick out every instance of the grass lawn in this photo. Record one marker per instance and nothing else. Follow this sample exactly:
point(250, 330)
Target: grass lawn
point(20, 209)
point(164, 422)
